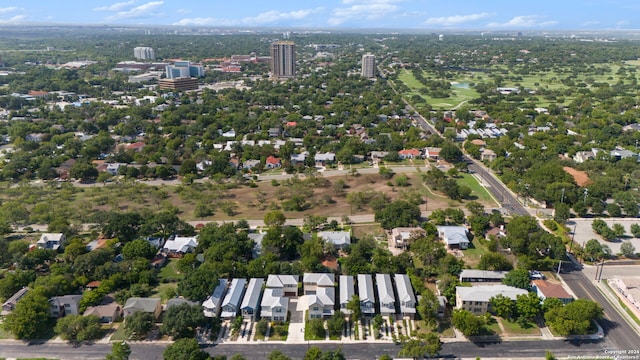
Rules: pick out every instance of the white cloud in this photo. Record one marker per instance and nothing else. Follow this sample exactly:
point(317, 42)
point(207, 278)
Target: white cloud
point(14, 19)
point(348, 2)
point(115, 7)
point(456, 19)
point(144, 10)
point(183, 11)
point(523, 21)
point(8, 9)
point(267, 17)
point(370, 11)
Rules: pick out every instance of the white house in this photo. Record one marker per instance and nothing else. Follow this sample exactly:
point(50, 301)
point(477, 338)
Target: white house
point(60, 306)
point(385, 294)
point(274, 305)
point(231, 302)
point(472, 275)
point(456, 237)
point(314, 281)
point(251, 302)
point(401, 236)
point(476, 298)
point(288, 284)
point(406, 297)
point(213, 303)
point(345, 284)
point(339, 239)
point(321, 303)
point(365, 292)
point(180, 245)
point(51, 241)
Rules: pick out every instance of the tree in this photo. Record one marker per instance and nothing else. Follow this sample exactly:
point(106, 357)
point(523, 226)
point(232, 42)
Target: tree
point(398, 214)
point(119, 351)
point(138, 249)
point(188, 167)
point(468, 323)
point(314, 353)
point(274, 218)
point(518, 278)
point(385, 172)
point(79, 328)
point(197, 285)
point(494, 261)
point(635, 230)
point(138, 325)
point(335, 324)
point(451, 153)
point(29, 318)
point(627, 249)
point(83, 171)
point(503, 306)
point(182, 321)
point(575, 318)
point(428, 307)
point(618, 230)
point(418, 349)
point(562, 213)
point(316, 328)
point(277, 355)
point(354, 306)
point(528, 307)
point(593, 250)
point(185, 349)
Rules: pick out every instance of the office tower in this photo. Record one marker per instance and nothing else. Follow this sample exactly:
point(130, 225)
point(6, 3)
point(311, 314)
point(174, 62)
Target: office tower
point(184, 69)
point(368, 66)
point(144, 53)
point(283, 59)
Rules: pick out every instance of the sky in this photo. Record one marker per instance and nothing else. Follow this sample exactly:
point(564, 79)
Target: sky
point(391, 14)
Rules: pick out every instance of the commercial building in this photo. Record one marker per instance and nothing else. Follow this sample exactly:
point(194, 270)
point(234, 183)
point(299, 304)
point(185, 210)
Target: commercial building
point(476, 298)
point(180, 84)
point(368, 66)
point(283, 59)
point(144, 53)
point(184, 69)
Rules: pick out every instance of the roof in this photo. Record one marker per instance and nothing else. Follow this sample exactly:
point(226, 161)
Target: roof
point(272, 160)
point(328, 156)
point(274, 297)
point(179, 301)
point(406, 232)
point(66, 299)
point(365, 288)
point(142, 304)
point(346, 288)
point(325, 296)
point(213, 301)
point(320, 279)
point(405, 290)
point(385, 289)
point(409, 152)
point(234, 295)
point(252, 296)
point(181, 244)
point(482, 274)
point(454, 235)
point(17, 296)
point(551, 290)
point(279, 281)
point(485, 292)
point(102, 310)
point(336, 237)
point(51, 237)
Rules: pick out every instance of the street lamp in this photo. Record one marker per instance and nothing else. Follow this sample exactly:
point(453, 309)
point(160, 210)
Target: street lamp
point(586, 193)
point(562, 197)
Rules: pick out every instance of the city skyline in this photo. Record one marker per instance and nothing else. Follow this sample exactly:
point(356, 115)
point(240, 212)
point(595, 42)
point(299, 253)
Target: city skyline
point(349, 14)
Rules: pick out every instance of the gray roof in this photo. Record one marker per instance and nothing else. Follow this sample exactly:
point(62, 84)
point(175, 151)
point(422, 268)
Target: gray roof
point(454, 235)
point(235, 292)
point(346, 288)
point(405, 290)
point(482, 274)
point(336, 237)
point(66, 299)
point(483, 293)
point(320, 279)
point(282, 280)
point(385, 289)
point(213, 302)
point(365, 288)
point(178, 302)
point(142, 304)
point(254, 293)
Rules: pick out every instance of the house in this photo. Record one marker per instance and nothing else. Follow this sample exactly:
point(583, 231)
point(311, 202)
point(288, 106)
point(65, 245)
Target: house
point(432, 153)
point(288, 284)
point(401, 236)
point(471, 275)
point(177, 301)
point(442, 306)
point(455, 237)
point(257, 239)
point(406, 297)
point(51, 241)
point(148, 305)
point(213, 303)
point(60, 306)
point(180, 245)
point(231, 302)
point(321, 303)
point(299, 158)
point(9, 305)
point(323, 159)
point(251, 301)
point(546, 289)
point(136, 146)
point(476, 298)
point(347, 291)
point(339, 239)
point(582, 156)
point(107, 313)
point(488, 155)
point(274, 132)
point(37, 137)
point(385, 294)
point(314, 281)
point(274, 305)
point(272, 162)
point(409, 154)
point(619, 154)
point(366, 295)
point(250, 164)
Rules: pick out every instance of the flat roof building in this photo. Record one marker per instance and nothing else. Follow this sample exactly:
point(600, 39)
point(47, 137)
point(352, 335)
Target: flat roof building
point(283, 59)
point(179, 84)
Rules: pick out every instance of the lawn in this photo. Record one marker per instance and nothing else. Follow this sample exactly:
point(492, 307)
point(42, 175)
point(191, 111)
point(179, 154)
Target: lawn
point(169, 273)
point(119, 334)
point(279, 332)
point(513, 328)
point(474, 252)
point(165, 291)
point(4, 334)
point(459, 94)
point(477, 190)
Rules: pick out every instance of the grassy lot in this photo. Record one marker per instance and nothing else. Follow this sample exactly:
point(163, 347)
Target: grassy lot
point(513, 328)
point(119, 334)
point(444, 328)
point(165, 291)
point(493, 328)
point(474, 252)
point(279, 332)
point(362, 230)
point(4, 334)
point(309, 336)
point(479, 191)
point(459, 92)
point(169, 273)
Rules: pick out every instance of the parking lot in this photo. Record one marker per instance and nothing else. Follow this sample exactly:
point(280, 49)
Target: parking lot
point(584, 232)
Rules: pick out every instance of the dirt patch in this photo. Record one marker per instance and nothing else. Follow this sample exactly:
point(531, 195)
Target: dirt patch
point(581, 178)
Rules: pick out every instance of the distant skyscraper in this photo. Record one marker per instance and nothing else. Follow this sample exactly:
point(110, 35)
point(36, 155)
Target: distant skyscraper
point(144, 53)
point(184, 69)
point(283, 59)
point(368, 66)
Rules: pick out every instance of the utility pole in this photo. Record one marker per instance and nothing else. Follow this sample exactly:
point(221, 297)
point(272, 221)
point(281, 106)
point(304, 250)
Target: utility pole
point(562, 197)
point(586, 193)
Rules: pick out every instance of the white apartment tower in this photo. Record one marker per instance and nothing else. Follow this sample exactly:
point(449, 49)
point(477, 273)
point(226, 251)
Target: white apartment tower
point(368, 66)
point(283, 59)
point(144, 53)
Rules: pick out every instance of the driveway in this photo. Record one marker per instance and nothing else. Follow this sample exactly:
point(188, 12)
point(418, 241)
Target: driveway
point(296, 323)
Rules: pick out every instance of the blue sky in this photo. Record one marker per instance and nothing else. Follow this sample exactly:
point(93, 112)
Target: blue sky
point(392, 14)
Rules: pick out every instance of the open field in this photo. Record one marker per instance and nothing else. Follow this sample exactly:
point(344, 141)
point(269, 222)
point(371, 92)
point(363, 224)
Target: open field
point(460, 92)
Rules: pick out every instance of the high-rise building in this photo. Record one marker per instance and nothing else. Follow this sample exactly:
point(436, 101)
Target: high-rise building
point(184, 69)
point(283, 59)
point(368, 66)
point(144, 53)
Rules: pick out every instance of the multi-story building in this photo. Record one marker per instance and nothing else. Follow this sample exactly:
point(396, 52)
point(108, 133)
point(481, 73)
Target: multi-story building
point(184, 69)
point(144, 53)
point(180, 84)
point(283, 59)
point(368, 66)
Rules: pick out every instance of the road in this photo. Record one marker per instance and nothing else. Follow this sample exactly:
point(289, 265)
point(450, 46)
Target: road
point(507, 349)
point(619, 334)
